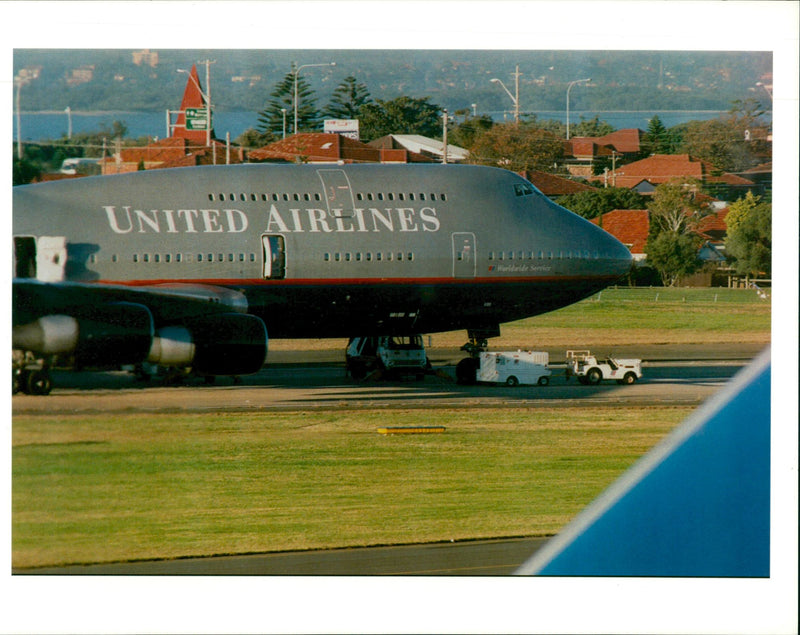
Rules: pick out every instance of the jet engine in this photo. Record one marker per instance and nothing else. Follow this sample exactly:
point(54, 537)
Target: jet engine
point(109, 334)
point(224, 344)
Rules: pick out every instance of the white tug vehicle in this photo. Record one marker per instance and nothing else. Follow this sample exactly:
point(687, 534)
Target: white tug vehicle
point(589, 370)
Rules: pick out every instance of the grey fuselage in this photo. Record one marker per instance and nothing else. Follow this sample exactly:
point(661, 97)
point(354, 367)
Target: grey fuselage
point(329, 250)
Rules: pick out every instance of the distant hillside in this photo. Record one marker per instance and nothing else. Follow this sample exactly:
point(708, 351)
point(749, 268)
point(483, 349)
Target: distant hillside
point(110, 80)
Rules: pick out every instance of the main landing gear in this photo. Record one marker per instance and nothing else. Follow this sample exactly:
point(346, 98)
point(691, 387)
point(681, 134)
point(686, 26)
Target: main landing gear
point(467, 368)
point(29, 374)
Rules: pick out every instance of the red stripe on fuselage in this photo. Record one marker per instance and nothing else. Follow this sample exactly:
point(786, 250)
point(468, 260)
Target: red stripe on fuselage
point(239, 282)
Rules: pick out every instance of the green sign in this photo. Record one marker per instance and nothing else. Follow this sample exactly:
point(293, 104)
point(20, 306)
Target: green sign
point(197, 119)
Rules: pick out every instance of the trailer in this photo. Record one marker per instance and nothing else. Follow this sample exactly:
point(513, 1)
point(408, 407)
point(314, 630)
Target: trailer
point(514, 368)
point(591, 370)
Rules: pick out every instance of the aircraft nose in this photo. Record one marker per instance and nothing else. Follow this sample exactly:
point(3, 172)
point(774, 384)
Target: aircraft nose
point(619, 257)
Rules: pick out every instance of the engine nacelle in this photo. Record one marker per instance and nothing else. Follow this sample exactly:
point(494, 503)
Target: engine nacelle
point(114, 334)
point(225, 344)
point(110, 334)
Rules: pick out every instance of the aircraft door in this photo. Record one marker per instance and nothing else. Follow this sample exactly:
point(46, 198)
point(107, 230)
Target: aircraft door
point(464, 255)
point(274, 252)
point(338, 193)
point(51, 258)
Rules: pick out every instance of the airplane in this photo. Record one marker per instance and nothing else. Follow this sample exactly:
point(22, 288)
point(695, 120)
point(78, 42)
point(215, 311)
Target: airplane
point(191, 268)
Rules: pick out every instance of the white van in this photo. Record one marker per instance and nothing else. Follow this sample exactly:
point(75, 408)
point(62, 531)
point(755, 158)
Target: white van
point(398, 354)
point(515, 368)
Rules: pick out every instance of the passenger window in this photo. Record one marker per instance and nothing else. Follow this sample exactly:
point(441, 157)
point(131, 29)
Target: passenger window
point(210, 197)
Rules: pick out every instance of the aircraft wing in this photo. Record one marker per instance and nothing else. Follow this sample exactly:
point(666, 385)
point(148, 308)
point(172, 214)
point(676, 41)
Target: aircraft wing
point(204, 327)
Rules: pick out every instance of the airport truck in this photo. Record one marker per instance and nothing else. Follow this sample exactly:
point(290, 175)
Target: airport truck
point(392, 355)
point(514, 368)
point(590, 370)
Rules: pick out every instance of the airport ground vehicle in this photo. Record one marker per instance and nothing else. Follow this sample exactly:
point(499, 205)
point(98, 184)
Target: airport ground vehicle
point(514, 368)
point(589, 370)
point(389, 354)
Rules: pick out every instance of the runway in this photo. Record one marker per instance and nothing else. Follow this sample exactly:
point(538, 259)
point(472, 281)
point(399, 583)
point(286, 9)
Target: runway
point(673, 375)
point(474, 558)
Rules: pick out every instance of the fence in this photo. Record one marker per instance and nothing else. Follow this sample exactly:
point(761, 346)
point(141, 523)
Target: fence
point(687, 295)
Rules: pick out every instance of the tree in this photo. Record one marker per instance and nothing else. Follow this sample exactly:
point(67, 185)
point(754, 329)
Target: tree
point(402, 115)
point(593, 127)
point(676, 208)
point(673, 255)
point(347, 100)
point(252, 138)
point(463, 134)
point(657, 139)
point(517, 147)
point(593, 203)
point(271, 118)
point(672, 246)
point(727, 142)
point(749, 238)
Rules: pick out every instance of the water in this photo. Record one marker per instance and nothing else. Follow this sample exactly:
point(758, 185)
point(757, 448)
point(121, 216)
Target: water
point(39, 126)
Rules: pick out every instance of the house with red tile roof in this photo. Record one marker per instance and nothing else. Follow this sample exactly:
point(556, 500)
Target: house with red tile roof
point(629, 226)
point(319, 147)
point(552, 185)
point(643, 176)
point(172, 152)
point(582, 152)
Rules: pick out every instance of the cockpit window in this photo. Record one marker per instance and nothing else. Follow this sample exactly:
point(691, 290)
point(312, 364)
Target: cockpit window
point(522, 189)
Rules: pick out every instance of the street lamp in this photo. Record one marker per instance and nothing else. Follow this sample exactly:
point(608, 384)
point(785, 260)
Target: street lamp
point(296, 73)
point(514, 98)
point(206, 97)
point(571, 84)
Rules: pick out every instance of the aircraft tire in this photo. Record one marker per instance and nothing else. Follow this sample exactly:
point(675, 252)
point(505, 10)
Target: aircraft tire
point(38, 382)
point(543, 381)
point(466, 371)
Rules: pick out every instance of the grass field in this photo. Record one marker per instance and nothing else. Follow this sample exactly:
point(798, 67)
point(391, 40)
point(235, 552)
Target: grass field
point(640, 315)
point(100, 488)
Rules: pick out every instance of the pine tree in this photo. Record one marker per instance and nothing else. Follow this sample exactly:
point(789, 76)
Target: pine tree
point(271, 118)
point(347, 100)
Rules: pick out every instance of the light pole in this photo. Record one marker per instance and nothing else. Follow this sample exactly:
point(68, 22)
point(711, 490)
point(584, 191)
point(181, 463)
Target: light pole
point(283, 112)
point(515, 97)
point(19, 82)
point(68, 110)
point(206, 97)
point(571, 84)
point(296, 74)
